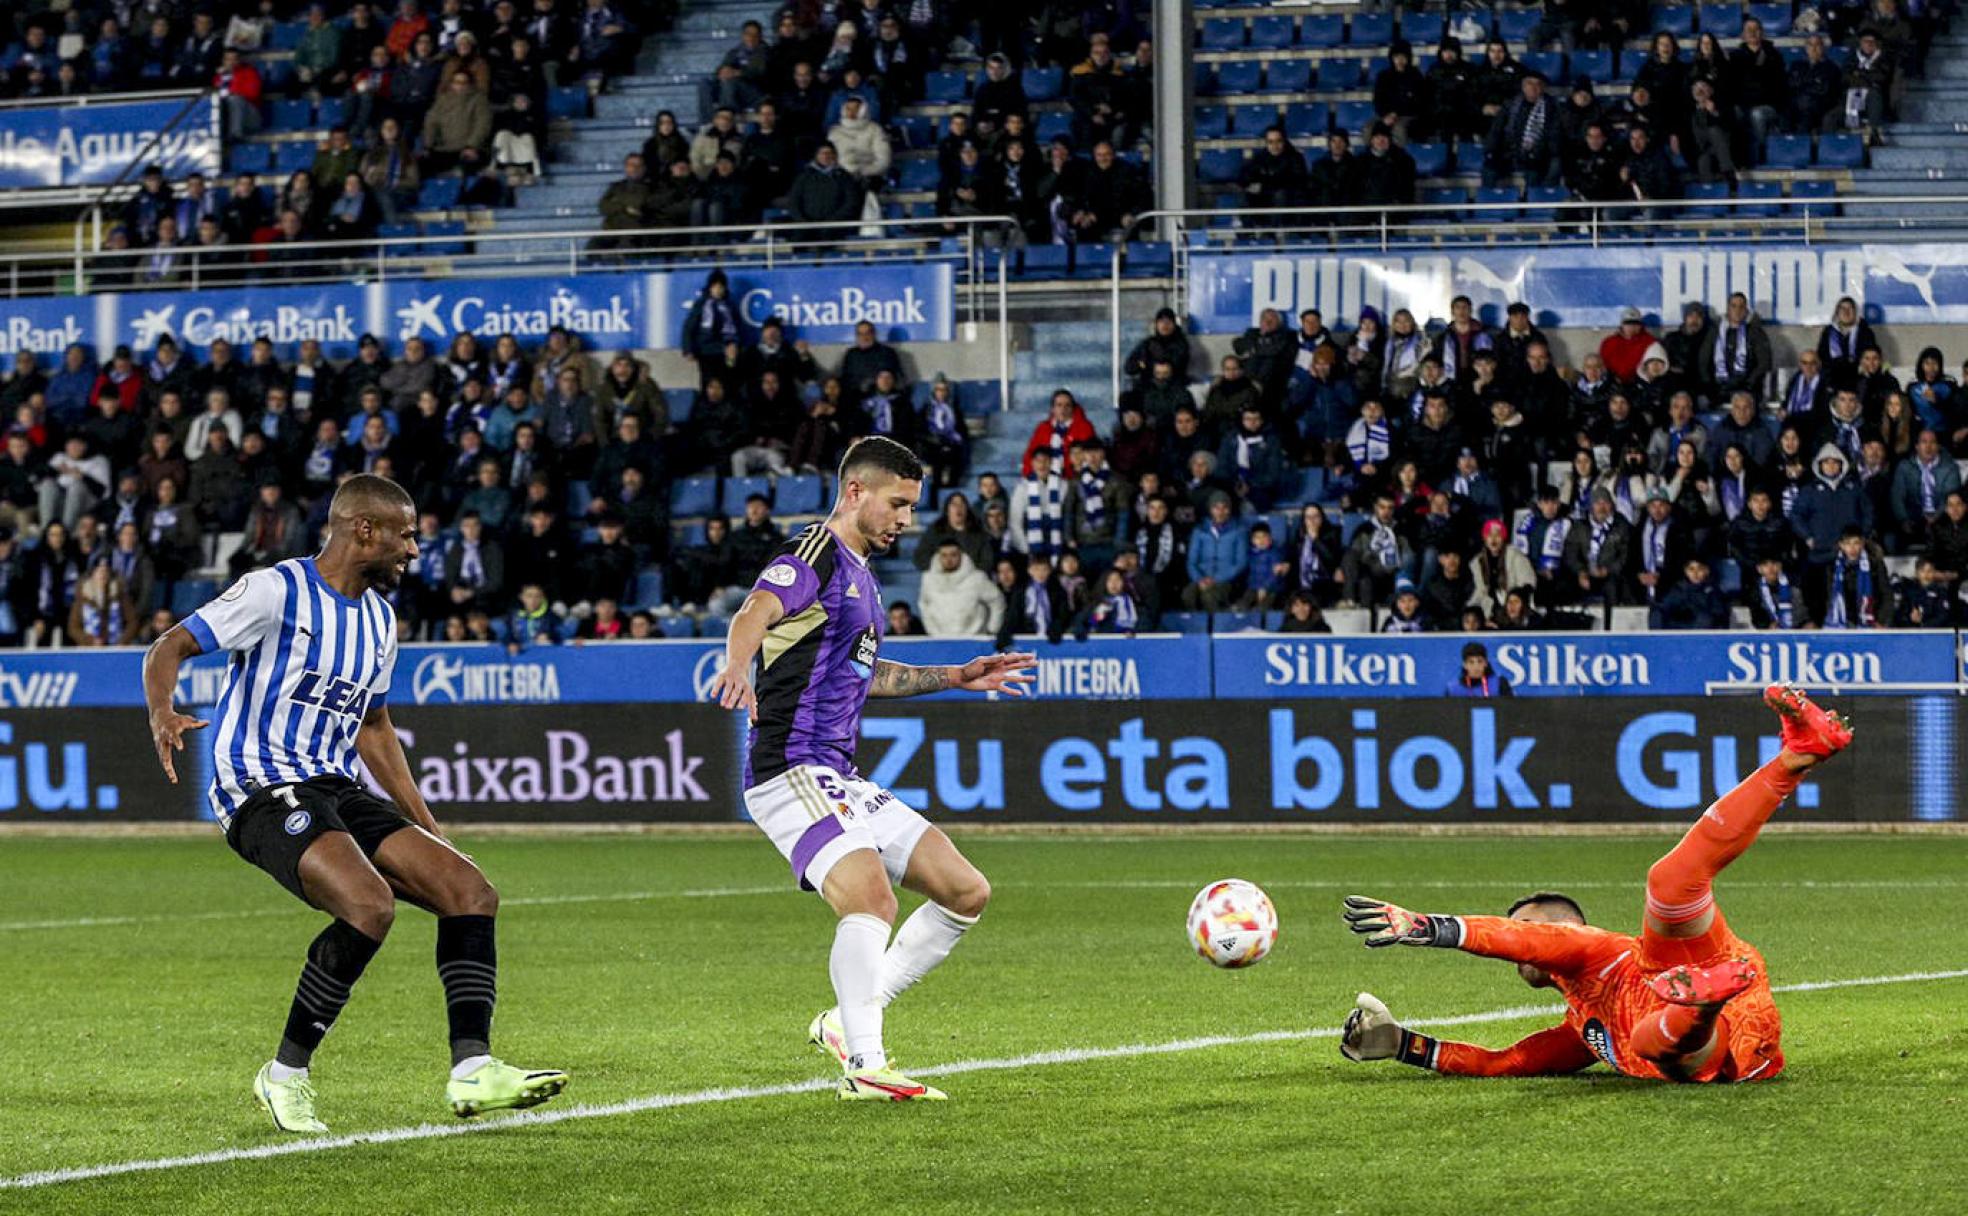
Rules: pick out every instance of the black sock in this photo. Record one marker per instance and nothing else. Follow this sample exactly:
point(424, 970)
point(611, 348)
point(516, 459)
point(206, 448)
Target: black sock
point(335, 960)
point(468, 963)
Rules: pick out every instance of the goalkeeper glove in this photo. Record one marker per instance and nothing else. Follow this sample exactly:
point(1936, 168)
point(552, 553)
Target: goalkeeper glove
point(1385, 924)
point(1371, 1033)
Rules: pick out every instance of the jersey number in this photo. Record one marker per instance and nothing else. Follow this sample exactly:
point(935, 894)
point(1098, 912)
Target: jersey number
point(286, 794)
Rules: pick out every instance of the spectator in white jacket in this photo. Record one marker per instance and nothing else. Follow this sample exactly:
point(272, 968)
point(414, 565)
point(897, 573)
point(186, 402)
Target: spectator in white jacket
point(861, 144)
point(958, 599)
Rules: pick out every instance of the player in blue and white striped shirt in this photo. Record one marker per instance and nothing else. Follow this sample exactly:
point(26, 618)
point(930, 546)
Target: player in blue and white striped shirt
point(313, 642)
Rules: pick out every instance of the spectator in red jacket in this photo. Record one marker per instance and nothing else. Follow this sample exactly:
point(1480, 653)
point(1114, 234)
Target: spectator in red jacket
point(1063, 427)
point(121, 379)
point(1622, 351)
point(410, 22)
point(238, 82)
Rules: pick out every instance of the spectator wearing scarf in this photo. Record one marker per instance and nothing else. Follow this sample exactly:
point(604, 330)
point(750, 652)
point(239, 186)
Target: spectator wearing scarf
point(1775, 605)
point(712, 322)
point(1040, 508)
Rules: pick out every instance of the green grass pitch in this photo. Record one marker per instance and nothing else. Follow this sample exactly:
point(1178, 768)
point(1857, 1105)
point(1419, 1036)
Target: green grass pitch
point(147, 977)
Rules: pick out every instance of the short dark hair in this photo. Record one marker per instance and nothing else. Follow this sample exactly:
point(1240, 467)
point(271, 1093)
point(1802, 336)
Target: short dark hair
point(1546, 897)
point(879, 453)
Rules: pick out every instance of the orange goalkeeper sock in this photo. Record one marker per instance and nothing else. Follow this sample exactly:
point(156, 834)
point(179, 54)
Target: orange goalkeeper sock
point(1678, 884)
point(1675, 1031)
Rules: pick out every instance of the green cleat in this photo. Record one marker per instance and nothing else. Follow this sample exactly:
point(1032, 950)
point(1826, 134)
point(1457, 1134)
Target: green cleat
point(291, 1103)
point(885, 1085)
point(497, 1085)
point(829, 1037)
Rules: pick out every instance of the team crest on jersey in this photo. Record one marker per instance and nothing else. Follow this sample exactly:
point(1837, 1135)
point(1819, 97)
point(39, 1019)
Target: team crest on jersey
point(233, 592)
point(780, 574)
point(863, 661)
point(1600, 1041)
point(298, 823)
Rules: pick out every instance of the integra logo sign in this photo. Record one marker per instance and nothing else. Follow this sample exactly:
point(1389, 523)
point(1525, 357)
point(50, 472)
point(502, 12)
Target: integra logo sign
point(442, 680)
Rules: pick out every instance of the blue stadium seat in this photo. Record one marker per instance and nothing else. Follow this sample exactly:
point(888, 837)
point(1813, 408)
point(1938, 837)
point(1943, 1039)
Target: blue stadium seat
point(693, 496)
point(1054, 124)
point(1515, 24)
point(1147, 258)
point(332, 112)
point(1469, 156)
point(1676, 19)
point(1239, 76)
point(290, 114)
point(1422, 29)
point(681, 402)
point(1596, 66)
point(1770, 194)
point(1306, 120)
point(1353, 117)
point(1287, 76)
point(797, 495)
point(285, 36)
point(1043, 84)
point(916, 173)
point(738, 489)
point(567, 101)
point(1221, 34)
point(1050, 261)
point(1251, 121)
point(1319, 30)
point(568, 629)
point(1630, 63)
point(1730, 578)
point(1497, 194)
point(1548, 64)
point(439, 194)
point(1309, 488)
point(714, 627)
point(1219, 166)
point(1236, 622)
point(1722, 20)
point(444, 228)
point(1775, 18)
point(1817, 197)
point(1787, 151)
point(1338, 75)
point(648, 588)
point(1091, 262)
point(294, 154)
point(1698, 193)
point(946, 87)
point(1841, 55)
point(251, 158)
point(1442, 196)
point(918, 130)
point(1539, 199)
point(678, 626)
point(1841, 151)
point(1430, 158)
point(1181, 622)
point(1274, 33)
point(191, 594)
point(1371, 29)
point(1211, 122)
point(1202, 78)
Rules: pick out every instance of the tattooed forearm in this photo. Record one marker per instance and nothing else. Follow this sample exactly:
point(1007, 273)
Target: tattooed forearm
point(906, 680)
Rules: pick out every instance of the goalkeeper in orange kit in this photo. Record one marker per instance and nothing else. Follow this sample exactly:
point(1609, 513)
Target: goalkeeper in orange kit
point(1686, 1000)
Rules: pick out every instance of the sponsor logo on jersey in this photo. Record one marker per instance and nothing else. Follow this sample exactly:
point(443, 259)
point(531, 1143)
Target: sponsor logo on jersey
point(865, 647)
point(1600, 1040)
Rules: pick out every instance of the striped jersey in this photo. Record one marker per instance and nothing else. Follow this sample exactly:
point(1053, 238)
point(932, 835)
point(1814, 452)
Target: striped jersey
point(817, 662)
point(307, 663)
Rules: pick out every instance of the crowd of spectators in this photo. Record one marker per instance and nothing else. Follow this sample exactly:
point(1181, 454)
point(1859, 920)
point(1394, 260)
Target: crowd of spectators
point(804, 124)
point(542, 476)
point(1465, 481)
point(1702, 113)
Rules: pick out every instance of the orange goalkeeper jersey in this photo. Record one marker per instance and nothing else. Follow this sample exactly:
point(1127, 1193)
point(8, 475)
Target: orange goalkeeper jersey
point(1603, 978)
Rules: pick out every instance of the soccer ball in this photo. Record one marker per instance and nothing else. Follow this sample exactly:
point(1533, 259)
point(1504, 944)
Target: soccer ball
point(1232, 923)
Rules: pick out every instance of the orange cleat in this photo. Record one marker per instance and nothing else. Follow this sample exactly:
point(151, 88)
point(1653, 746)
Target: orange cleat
point(1710, 985)
point(1808, 729)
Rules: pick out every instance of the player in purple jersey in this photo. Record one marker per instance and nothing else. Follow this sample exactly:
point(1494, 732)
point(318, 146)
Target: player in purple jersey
point(313, 644)
point(814, 620)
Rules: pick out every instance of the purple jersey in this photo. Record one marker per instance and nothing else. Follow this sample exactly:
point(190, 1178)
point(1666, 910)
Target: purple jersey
point(817, 661)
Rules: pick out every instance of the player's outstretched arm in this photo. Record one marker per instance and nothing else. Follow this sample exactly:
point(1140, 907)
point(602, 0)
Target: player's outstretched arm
point(1371, 1033)
point(381, 750)
point(1007, 673)
point(160, 676)
point(1386, 924)
point(1563, 949)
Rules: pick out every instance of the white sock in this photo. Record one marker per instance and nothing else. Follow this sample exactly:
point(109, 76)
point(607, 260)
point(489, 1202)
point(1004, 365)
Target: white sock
point(467, 1066)
point(856, 966)
point(924, 940)
point(277, 1071)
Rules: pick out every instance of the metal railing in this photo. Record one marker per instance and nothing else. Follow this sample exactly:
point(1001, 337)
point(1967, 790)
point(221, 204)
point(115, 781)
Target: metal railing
point(982, 287)
point(1568, 223)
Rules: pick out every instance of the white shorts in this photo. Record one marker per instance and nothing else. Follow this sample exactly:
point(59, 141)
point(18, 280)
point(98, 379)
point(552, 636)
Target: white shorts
point(815, 817)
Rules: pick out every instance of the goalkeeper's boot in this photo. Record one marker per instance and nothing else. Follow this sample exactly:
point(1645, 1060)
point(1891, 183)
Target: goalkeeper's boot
point(1808, 729)
point(497, 1085)
point(290, 1102)
point(1714, 984)
point(829, 1037)
point(884, 1085)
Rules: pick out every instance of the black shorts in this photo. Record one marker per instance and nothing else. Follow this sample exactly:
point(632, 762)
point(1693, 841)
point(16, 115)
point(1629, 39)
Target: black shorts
point(275, 825)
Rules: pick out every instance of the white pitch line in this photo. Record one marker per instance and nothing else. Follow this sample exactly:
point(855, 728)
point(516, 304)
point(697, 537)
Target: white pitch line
point(702, 1097)
point(1171, 884)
